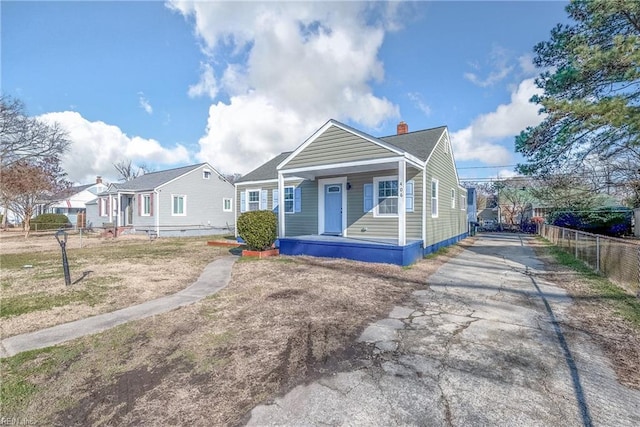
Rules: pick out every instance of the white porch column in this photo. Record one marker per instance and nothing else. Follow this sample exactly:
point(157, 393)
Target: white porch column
point(281, 216)
point(402, 202)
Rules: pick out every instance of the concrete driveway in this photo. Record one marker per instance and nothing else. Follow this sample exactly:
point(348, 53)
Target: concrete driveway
point(485, 345)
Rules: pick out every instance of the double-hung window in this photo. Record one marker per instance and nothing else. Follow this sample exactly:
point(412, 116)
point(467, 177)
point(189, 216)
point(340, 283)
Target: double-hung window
point(453, 198)
point(226, 204)
point(385, 191)
point(289, 198)
point(434, 198)
point(253, 200)
point(146, 204)
point(179, 205)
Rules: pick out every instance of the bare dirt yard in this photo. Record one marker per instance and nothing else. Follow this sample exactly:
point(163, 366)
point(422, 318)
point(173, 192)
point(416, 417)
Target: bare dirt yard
point(107, 274)
point(279, 322)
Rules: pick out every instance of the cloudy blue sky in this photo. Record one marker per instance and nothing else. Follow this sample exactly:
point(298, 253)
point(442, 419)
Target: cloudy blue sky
point(234, 83)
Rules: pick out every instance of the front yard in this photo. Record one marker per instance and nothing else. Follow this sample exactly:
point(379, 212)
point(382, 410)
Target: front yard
point(279, 322)
point(108, 274)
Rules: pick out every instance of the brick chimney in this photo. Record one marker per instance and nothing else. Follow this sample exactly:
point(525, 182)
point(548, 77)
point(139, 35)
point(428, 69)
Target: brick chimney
point(98, 180)
point(402, 128)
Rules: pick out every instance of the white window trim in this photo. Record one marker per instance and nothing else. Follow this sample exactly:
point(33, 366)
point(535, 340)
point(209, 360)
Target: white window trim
point(206, 174)
point(103, 207)
point(224, 202)
point(436, 196)
point(376, 193)
point(463, 203)
point(184, 205)
point(293, 206)
point(246, 198)
point(453, 198)
point(142, 212)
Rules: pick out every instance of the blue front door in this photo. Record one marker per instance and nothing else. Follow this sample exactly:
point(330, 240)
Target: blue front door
point(333, 209)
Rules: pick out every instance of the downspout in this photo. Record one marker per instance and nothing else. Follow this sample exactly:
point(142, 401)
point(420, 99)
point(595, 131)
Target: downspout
point(402, 203)
point(157, 212)
point(424, 206)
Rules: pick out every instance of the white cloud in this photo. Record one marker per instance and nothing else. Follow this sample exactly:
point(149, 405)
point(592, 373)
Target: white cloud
point(207, 85)
point(416, 98)
point(291, 66)
point(144, 103)
point(480, 140)
point(498, 61)
point(527, 66)
point(95, 146)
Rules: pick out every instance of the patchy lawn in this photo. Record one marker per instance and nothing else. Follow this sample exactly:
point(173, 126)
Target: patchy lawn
point(609, 314)
point(280, 322)
point(107, 274)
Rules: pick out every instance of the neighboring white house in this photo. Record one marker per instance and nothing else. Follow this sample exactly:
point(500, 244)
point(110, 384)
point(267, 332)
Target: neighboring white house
point(73, 201)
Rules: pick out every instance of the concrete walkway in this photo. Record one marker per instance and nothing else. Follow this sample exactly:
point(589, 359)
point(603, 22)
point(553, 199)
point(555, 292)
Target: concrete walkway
point(486, 344)
point(215, 276)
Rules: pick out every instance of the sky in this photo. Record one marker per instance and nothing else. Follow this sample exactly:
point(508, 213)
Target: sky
point(166, 84)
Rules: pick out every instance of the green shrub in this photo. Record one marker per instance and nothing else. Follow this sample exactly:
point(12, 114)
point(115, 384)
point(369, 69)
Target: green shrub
point(258, 229)
point(49, 222)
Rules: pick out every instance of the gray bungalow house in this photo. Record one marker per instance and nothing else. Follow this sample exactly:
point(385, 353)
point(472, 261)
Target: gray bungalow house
point(343, 193)
point(186, 201)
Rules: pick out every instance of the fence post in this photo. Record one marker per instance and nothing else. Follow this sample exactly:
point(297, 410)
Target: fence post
point(577, 243)
point(598, 254)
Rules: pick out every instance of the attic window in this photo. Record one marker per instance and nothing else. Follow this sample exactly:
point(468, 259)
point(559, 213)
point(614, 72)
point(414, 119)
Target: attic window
point(206, 174)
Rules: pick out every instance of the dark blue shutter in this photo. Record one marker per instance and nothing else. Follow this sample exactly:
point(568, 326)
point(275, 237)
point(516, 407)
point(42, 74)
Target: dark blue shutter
point(274, 195)
point(243, 196)
point(368, 197)
point(297, 200)
point(409, 195)
point(264, 195)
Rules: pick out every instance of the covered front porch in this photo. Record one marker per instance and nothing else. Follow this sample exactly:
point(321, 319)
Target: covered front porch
point(359, 249)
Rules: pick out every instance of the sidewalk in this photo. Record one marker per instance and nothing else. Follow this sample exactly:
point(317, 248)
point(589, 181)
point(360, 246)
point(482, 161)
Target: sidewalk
point(215, 277)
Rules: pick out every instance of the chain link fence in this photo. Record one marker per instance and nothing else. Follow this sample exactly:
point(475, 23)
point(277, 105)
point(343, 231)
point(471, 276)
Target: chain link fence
point(617, 259)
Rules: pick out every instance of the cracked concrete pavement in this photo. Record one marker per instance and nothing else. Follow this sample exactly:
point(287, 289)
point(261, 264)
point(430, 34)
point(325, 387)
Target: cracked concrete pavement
point(486, 344)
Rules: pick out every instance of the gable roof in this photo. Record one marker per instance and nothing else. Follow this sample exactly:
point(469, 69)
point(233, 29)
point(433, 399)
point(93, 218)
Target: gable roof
point(418, 143)
point(153, 180)
point(68, 192)
point(266, 171)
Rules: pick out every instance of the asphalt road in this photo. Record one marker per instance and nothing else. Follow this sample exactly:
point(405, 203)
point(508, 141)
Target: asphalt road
point(485, 345)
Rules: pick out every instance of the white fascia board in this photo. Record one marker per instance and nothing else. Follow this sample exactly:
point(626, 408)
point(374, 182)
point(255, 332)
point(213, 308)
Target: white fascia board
point(344, 165)
point(305, 144)
point(268, 181)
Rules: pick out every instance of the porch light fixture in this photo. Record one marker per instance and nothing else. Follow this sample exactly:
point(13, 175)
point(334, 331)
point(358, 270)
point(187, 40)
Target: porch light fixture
point(348, 186)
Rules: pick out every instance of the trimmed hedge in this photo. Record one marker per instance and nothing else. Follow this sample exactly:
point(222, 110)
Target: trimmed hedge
point(258, 229)
point(49, 222)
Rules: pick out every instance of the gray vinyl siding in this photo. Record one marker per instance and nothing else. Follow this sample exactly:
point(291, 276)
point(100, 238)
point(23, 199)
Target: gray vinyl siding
point(450, 222)
point(296, 224)
point(203, 206)
point(338, 146)
point(94, 219)
point(306, 221)
point(145, 221)
point(361, 224)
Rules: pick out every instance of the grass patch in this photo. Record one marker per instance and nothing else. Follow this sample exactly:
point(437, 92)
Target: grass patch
point(21, 374)
point(21, 304)
point(18, 261)
point(437, 253)
point(599, 287)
